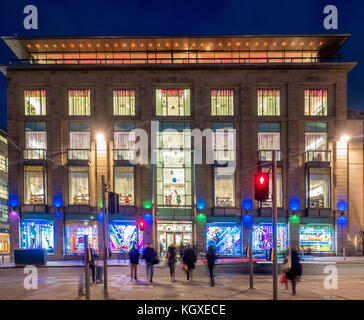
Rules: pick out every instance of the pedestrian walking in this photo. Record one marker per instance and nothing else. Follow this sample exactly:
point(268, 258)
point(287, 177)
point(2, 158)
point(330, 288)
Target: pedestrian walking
point(150, 258)
point(134, 261)
point(189, 260)
point(295, 271)
point(171, 260)
point(211, 258)
point(91, 260)
point(180, 251)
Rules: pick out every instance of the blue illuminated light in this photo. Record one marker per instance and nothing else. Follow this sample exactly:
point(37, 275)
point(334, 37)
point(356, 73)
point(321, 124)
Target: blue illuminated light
point(99, 216)
point(57, 201)
point(13, 200)
point(247, 220)
point(201, 204)
point(294, 204)
point(342, 220)
point(341, 205)
point(147, 217)
point(247, 204)
point(57, 214)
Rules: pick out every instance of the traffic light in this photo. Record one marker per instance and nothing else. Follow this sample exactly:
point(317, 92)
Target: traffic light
point(261, 186)
point(141, 224)
point(117, 204)
point(111, 202)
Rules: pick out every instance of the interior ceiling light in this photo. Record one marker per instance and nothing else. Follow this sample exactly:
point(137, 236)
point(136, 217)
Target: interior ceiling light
point(283, 43)
point(142, 45)
point(133, 45)
point(238, 44)
point(229, 44)
point(124, 44)
point(301, 43)
point(321, 43)
point(107, 45)
point(81, 45)
point(292, 44)
point(89, 45)
point(115, 44)
point(29, 46)
point(220, 44)
point(63, 45)
point(265, 43)
point(256, 43)
point(98, 45)
point(46, 45)
point(54, 46)
point(311, 43)
point(72, 45)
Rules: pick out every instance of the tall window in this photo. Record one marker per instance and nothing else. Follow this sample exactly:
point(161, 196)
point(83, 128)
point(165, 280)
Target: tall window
point(79, 102)
point(316, 141)
point(35, 102)
point(222, 102)
point(224, 187)
point(79, 140)
point(173, 165)
point(318, 187)
point(124, 102)
point(124, 185)
point(3, 163)
point(35, 140)
point(173, 102)
point(269, 139)
point(124, 141)
point(316, 102)
point(79, 186)
point(224, 141)
point(34, 185)
point(279, 183)
point(269, 102)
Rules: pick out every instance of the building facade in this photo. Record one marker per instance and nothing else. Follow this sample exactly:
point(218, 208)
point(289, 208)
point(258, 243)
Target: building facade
point(78, 108)
point(4, 208)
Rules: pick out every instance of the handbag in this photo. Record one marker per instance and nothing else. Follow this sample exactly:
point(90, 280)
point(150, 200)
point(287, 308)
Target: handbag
point(184, 267)
point(283, 278)
point(155, 260)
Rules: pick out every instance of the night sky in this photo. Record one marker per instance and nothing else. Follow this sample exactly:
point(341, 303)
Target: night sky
point(153, 17)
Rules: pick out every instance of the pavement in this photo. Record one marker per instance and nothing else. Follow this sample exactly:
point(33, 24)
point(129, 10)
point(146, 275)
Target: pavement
point(125, 262)
point(63, 284)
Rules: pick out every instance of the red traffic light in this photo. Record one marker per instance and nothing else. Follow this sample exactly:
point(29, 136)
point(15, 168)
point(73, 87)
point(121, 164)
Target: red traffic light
point(261, 187)
point(141, 225)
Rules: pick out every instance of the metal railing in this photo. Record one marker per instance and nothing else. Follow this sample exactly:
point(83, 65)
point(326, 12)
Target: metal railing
point(123, 154)
point(34, 154)
point(322, 155)
point(173, 60)
point(78, 154)
point(267, 155)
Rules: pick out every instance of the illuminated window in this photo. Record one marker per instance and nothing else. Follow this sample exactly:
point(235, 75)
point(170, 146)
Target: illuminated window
point(318, 187)
point(79, 186)
point(37, 234)
point(222, 102)
point(316, 102)
point(124, 102)
point(316, 141)
point(224, 141)
point(4, 190)
point(3, 163)
point(279, 184)
point(74, 235)
point(269, 139)
point(268, 102)
point(3, 139)
point(224, 186)
point(34, 185)
point(35, 140)
point(79, 141)
point(124, 185)
point(35, 102)
point(79, 102)
point(124, 141)
point(173, 102)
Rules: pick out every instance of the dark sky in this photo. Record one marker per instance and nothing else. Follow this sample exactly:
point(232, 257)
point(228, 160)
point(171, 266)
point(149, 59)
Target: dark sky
point(196, 17)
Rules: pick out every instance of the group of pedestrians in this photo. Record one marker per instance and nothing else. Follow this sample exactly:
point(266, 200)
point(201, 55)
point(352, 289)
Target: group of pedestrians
point(187, 255)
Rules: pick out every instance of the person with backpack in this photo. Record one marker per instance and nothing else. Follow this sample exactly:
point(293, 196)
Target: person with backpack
point(151, 259)
point(134, 261)
point(211, 258)
point(171, 260)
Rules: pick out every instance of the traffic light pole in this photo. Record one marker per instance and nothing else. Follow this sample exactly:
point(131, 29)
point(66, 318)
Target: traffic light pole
point(104, 233)
point(274, 200)
point(251, 270)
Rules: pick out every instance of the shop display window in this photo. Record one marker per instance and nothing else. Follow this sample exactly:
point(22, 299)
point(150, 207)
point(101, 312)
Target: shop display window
point(74, 236)
point(225, 238)
point(317, 237)
point(263, 237)
point(37, 234)
point(123, 235)
point(4, 243)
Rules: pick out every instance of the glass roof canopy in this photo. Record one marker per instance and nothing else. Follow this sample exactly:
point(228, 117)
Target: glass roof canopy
point(191, 49)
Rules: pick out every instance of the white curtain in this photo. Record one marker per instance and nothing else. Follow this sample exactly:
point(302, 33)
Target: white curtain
point(124, 185)
point(33, 187)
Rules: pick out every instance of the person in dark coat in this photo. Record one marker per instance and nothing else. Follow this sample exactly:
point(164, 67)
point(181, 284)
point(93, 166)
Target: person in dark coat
point(149, 256)
point(134, 261)
point(171, 259)
point(295, 271)
point(189, 258)
point(92, 258)
point(211, 258)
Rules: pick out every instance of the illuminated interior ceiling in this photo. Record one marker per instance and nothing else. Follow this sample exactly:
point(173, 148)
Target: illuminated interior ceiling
point(325, 44)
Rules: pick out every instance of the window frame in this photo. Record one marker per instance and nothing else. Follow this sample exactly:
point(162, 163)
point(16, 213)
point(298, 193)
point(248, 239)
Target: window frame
point(44, 108)
point(69, 185)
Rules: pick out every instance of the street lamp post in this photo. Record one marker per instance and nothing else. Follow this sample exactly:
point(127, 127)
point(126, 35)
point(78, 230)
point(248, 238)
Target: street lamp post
point(104, 228)
point(274, 218)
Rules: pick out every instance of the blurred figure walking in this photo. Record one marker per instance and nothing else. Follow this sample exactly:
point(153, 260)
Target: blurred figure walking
point(211, 258)
point(295, 271)
point(189, 259)
point(150, 258)
point(134, 261)
point(171, 260)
